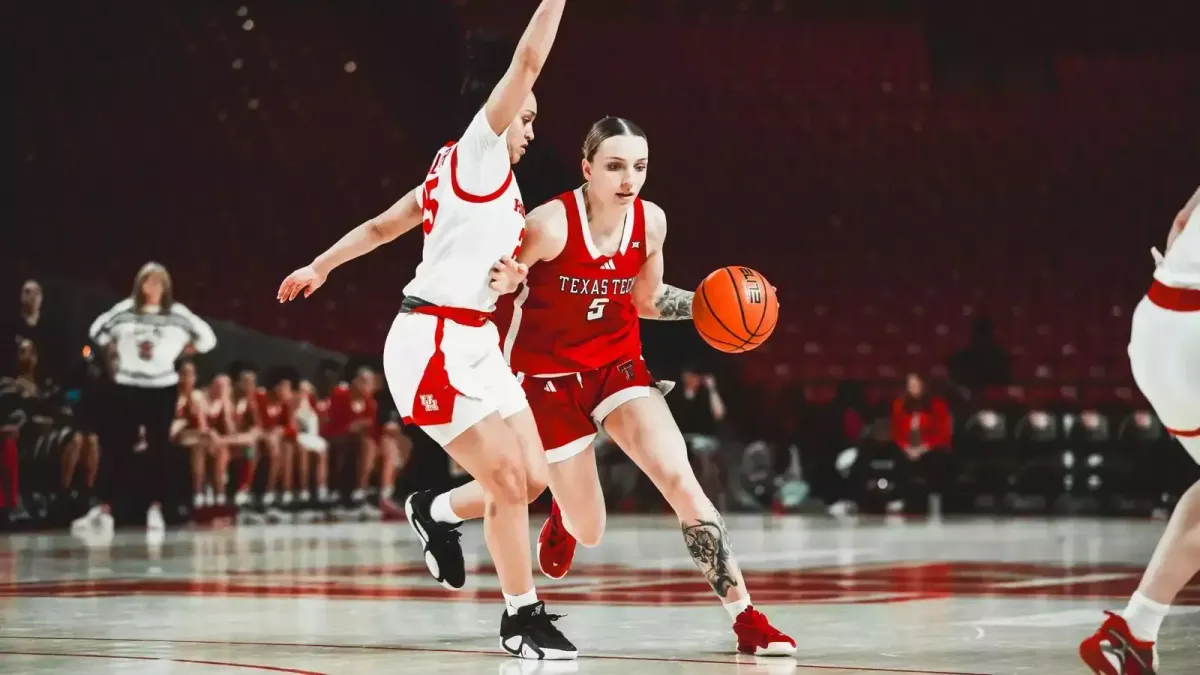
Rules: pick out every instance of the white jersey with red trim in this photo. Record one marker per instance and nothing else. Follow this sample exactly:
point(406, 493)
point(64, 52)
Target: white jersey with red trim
point(473, 216)
point(1180, 267)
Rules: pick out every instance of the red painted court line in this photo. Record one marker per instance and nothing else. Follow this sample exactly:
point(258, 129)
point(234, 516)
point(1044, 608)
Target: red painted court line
point(479, 652)
point(221, 664)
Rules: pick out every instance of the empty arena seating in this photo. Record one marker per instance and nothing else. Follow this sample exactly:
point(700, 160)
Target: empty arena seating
point(818, 149)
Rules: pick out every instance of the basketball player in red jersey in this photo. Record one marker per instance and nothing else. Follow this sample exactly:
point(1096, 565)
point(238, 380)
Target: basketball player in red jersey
point(442, 355)
point(595, 260)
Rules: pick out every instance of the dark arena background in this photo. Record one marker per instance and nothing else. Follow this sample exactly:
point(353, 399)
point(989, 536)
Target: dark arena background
point(938, 463)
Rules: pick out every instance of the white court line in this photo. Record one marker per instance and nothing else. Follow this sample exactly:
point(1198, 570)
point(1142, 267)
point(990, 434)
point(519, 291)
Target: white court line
point(1045, 582)
point(1069, 617)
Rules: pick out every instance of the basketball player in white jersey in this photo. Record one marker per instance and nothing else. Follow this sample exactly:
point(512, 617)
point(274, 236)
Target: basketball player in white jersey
point(1164, 352)
point(442, 357)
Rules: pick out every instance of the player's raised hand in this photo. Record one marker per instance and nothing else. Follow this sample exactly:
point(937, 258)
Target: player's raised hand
point(306, 279)
point(507, 274)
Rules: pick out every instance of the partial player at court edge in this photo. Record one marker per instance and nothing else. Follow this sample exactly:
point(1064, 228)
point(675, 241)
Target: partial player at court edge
point(571, 333)
point(1164, 352)
point(442, 356)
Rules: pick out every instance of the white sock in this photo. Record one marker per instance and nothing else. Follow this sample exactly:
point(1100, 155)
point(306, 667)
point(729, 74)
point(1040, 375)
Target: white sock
point(1144, 617)
point(515, 602)
point(386, 493)
point(441, 511)
point(736, 607)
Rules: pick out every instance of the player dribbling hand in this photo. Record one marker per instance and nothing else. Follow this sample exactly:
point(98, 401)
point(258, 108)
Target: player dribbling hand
point(306, 279)
point(507, 275)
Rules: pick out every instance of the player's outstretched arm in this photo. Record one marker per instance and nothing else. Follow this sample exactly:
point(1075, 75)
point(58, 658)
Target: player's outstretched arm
point(531, 53)
point(401, 217)
point(653, 298)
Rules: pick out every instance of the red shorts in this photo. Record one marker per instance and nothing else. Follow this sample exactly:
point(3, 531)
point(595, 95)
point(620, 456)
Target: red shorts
point(567, 408)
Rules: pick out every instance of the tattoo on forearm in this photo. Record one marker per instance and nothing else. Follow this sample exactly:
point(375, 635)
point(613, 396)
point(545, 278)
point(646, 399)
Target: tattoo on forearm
point(674, 304)
point(708, 544)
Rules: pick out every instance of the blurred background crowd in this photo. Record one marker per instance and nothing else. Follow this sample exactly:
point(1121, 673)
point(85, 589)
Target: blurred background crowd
point(955, 218)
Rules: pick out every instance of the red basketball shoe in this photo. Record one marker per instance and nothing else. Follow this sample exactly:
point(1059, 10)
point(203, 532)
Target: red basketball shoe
point(556, 546)
point(1113, 650)
point(756, 635)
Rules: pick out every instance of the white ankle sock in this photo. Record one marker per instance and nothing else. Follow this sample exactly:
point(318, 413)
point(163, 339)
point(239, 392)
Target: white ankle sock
point(514, 602)
point(1144, 617)
point(441, 511)
point(736, 607)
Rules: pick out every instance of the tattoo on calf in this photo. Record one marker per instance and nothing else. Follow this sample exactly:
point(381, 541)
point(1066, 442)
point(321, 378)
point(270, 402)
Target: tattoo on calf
point(674, 304)
point(708, 544)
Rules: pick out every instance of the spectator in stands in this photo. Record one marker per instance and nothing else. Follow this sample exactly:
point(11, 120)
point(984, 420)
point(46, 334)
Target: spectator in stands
point(192, 432)
point(277, 408)
point(983, 362)
point(31, 324)
point(922, 427)
point(222, 427)
point(699, 410)
point(46, 444)
point(88, 383)
point(313, 449)
point(248, 424)
point(147, 333)
point(870, 474)
point(352, 431)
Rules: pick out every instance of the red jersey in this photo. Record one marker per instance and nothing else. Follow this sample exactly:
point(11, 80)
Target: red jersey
point(245, 413)
point(345, 409)
point(216, 417)
point(275, 414)
point(187, 409)
point(575, 313)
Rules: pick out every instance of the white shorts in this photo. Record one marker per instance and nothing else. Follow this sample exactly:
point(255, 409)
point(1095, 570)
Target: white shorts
point(312, 443)
point(1164, 354)
point(480, 380)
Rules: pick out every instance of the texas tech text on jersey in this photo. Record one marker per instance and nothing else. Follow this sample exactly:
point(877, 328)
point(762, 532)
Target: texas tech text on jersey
point(582, 286)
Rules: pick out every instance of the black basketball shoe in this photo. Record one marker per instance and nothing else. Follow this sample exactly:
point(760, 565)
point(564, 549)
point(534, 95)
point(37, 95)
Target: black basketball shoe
point(531, 634)
point(443, 552)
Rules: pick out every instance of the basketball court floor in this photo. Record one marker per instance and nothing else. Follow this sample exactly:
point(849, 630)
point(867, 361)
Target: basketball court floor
point(871, 596)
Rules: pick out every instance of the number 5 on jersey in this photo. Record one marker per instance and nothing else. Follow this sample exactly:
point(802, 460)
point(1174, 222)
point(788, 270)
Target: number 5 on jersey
point(596, 309)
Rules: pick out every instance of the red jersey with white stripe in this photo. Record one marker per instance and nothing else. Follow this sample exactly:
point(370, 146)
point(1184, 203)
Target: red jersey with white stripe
point(575, 313)
point(473, 216)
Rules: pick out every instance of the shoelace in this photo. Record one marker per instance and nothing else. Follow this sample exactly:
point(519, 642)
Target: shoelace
point(545, 622)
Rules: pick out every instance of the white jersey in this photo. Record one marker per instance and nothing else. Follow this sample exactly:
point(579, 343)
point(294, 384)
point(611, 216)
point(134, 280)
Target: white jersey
point(149, 341)
point(1181, 265)
point(473, 216)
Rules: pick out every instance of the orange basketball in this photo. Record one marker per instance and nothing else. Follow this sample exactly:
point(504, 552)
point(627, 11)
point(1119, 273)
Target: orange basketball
point(735, 309)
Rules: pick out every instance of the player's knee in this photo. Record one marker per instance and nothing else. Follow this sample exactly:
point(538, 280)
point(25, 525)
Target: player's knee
point(73, 443)
point(506, 480)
